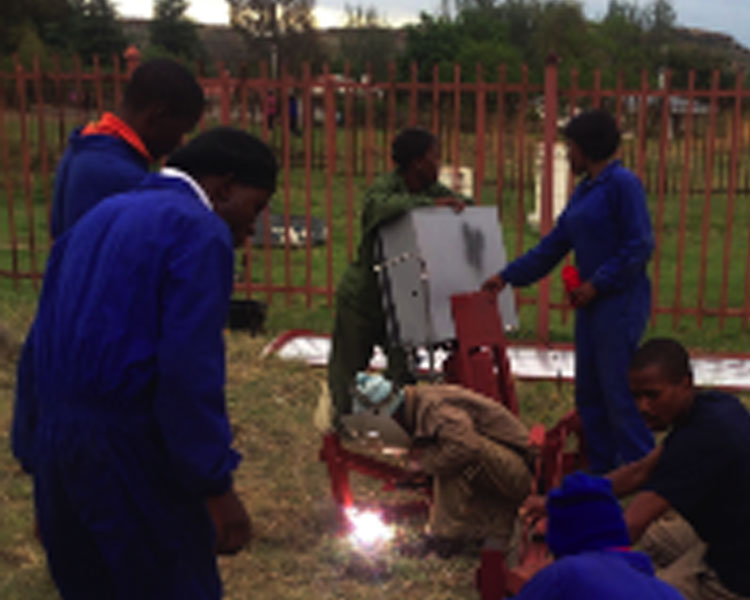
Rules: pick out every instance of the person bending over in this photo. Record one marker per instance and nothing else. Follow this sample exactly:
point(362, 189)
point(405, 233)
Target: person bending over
point(120, 415)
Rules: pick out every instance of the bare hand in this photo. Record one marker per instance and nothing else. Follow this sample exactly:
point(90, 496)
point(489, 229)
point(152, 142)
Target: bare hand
point(583, 294)
point(533, 508)
point(494, 284)
point(455, 203)
point(232, 523)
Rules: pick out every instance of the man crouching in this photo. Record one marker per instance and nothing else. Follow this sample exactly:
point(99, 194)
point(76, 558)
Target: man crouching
point(476, 450)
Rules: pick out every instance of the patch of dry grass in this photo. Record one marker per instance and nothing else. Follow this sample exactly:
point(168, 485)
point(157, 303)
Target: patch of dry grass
point(296, 552)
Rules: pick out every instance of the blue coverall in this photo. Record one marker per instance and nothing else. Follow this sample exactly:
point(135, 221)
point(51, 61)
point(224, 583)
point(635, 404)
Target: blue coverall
point(606, 223)
point(93, 167)
point(120, 413)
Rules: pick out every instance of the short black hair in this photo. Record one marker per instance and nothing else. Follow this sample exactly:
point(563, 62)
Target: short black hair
point(164, 81)
point(410, 144)
point(667, 354)
point(595, 132)
point(228, 151)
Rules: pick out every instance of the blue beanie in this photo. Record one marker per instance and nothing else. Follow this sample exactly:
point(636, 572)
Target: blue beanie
point(375, 392)
point(584, 515)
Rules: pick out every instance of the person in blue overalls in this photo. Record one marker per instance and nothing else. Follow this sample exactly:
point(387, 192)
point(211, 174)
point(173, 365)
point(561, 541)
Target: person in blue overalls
point(607, 224)
point(120, 414)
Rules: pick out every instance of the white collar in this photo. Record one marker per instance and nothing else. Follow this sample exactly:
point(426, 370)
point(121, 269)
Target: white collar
point(178, 174)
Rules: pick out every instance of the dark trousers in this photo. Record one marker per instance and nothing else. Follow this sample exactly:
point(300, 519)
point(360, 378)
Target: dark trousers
point(607, 334)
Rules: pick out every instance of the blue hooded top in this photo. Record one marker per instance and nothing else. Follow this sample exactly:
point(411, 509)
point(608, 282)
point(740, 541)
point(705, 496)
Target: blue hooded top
point(93, 167)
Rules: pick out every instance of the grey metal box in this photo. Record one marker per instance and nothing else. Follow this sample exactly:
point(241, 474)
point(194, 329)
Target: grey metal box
point(430, 254)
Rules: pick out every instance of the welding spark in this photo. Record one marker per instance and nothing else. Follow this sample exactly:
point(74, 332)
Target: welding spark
point(368, 530)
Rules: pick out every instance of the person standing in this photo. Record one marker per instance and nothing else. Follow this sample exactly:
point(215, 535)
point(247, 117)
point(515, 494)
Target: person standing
point(607, 224)
point(360, 322)
point(161, 103)
point(120, 415)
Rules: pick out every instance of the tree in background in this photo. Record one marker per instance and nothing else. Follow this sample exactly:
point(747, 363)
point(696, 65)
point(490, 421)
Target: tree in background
point(628, 39)
point(33, 22)
point(171, 31)
point(278, 31)
point(365, 40)
point(95, 29)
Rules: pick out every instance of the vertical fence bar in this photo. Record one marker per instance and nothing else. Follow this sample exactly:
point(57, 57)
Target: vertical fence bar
point(573, 95)
point(307, 82)
point(521, 140)
point(734, 153)
point(199, 69)
point(60, 97)
point(116, 80)
point(481, 127)
point(287, 162)
point(8, 180)
point(619, 86)
point(349, 149)
point(501, 75)
point(550, 135)
point(248, 258)
point(330, 103)
point(684, 190)
point(642, 114)
point(597, 95)
point(369, 130)
point(263, 90)
point(267, 86)
point(98, 91)
point(224, 93)
point(436, 101)
point(79, 90)
point(26, 167)
point(413, 91)
point(391, 124)
point(456, 142)
point(42, 140)
point(242, 83)
point(705, 225)
point(661, 185)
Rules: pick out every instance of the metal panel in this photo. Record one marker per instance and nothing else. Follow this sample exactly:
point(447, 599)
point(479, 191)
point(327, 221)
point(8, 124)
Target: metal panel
point(430, 254)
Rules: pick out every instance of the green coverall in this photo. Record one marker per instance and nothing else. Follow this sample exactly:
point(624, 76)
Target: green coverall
point(360, 320)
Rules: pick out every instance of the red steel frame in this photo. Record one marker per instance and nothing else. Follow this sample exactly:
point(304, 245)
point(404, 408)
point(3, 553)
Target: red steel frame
point(497, 143)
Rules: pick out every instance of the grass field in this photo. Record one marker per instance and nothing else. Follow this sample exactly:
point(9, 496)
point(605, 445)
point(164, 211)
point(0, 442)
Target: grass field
point(296, 553)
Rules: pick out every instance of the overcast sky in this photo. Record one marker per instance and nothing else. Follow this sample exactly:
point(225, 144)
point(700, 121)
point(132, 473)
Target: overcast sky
point(728, 16)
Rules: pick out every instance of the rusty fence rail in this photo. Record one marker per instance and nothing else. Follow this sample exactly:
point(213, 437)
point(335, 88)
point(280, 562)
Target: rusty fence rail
point(690, 147)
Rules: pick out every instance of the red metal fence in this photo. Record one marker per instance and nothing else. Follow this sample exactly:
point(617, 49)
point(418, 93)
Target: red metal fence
point(690, 147)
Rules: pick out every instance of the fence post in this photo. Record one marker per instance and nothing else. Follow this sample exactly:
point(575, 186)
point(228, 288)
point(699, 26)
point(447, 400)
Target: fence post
point(34, 272)
point(330, 138)
point(550, 135)
point(480, 135)
point(501, 74)
point(42, 142)
point(224, 91)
